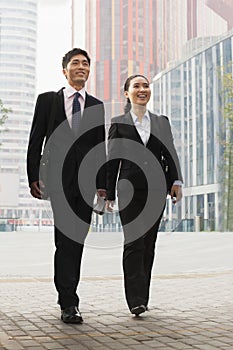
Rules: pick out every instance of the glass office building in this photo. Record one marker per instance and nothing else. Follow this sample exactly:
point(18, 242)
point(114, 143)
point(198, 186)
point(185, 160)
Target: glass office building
point(190, 94)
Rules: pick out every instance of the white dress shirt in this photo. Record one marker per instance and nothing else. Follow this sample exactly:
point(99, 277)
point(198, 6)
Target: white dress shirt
point(144, 128)
point(69, 92)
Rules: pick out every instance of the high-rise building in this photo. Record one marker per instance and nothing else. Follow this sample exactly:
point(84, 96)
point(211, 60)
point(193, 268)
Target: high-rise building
point(191, 94)
point(184, 26)
point(125, 37)
point(18, 38)
point(223, 8)
point(121, 39)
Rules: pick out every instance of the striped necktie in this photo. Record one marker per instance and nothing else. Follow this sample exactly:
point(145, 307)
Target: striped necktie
point(76, 113)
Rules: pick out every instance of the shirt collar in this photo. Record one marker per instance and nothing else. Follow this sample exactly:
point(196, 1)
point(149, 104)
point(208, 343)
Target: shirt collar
point(135, 118)
point(70, 91)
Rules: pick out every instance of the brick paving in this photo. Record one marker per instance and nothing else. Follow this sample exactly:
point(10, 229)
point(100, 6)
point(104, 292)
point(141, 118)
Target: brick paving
point(187, 311)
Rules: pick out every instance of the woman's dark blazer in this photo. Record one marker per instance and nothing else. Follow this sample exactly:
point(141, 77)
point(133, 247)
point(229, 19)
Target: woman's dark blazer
point(125, 158)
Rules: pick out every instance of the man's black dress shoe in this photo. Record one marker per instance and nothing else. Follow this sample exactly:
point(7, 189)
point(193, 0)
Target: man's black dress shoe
point(71, 315)
point(137, 310)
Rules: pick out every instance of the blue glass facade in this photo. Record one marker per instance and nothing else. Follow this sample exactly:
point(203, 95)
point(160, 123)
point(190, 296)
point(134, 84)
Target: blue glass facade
point(190, 95)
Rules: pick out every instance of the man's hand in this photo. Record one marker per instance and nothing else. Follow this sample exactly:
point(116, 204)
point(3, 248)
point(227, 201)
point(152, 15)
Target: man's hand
point(109, 206)
point(176, 193)
point(36, 189)
point(101, 193)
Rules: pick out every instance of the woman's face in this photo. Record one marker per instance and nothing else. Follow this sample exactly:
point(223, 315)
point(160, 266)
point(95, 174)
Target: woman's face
point(139, 91)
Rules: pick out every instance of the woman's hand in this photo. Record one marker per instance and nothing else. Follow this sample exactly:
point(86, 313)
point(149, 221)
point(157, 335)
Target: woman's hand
point(176, 193)
point(109, 206)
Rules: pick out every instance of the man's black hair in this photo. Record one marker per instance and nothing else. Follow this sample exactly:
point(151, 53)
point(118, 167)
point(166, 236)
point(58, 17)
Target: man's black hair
point(76, 51)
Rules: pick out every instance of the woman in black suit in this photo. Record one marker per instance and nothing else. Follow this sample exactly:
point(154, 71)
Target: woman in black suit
point(143, 165)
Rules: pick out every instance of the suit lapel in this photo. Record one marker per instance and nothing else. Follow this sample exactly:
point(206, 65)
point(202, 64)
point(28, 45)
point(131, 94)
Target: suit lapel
point(87, 105)
point(87, 101)
point(61, 114)
point(154, 130)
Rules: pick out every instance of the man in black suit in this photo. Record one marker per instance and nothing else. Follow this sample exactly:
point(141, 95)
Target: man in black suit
point(71, 122)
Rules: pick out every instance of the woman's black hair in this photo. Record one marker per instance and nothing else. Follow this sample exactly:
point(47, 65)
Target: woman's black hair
point(127, 107)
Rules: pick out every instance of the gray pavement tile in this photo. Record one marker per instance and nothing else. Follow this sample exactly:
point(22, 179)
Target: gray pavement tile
point(174, 336)
point(153, 344)
point(192, 342)
point(107, 347)
point(107, 330)
point(119, 336)
point(16, 333)
point(91, 343)
point(209, 334)
point(52, 345)
point(57, 336)
point(128, 341)
point(103, 341)
point(165, 340)
point(198, 337)
point(7, 328)
point(179, 345)
point(140, 347)
point(35, 333)
point(67, 341)
point(226, 340)
point(141, 337)
point(12, 345)
point(35, 348)
point(28, 343)
point(50, 330)
point(77, 347)
point(217, 343)
point(116, 345)
point(207, 347)
point(42, 339)
point(26, 337)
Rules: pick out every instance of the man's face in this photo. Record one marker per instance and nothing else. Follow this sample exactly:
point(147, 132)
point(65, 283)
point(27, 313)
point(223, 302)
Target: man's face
point(77, 70)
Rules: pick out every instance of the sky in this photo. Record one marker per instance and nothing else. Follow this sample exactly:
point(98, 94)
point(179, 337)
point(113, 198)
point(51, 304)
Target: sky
point(54, 39)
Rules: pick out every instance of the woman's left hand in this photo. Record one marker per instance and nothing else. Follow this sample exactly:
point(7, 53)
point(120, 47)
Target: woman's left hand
point(109, 205)
point(176, 193)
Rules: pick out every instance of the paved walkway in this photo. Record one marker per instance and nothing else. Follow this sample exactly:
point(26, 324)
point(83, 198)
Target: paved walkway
point(187, 311)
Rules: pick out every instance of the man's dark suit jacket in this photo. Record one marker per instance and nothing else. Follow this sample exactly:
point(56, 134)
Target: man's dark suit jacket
point(67, 152)
point(125, 158)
